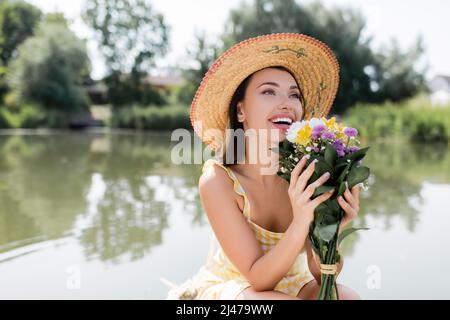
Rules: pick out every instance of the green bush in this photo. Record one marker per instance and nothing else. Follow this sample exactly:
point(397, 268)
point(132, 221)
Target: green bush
point(431, 126)
point(30, 116)
point(420, 123)
point(151, 117)
point(4, 121)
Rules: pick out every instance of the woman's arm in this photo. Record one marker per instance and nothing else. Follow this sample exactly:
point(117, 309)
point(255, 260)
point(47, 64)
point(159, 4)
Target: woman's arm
point(270, 268)
point(237, 239)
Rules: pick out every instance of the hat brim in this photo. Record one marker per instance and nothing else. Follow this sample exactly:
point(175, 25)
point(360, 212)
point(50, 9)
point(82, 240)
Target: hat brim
point(312, 63)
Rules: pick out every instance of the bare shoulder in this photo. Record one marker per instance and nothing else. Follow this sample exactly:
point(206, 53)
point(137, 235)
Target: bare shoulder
point(215, 179)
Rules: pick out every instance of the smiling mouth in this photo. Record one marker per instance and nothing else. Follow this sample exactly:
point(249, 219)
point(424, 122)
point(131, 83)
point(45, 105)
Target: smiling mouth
point(280, 125)
point(281, 122)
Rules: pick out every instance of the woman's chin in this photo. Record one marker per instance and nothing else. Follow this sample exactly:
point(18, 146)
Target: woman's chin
point(277, 140)
point(277, 134)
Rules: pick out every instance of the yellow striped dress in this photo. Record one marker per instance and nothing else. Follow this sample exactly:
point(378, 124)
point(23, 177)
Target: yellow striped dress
point(218, 278)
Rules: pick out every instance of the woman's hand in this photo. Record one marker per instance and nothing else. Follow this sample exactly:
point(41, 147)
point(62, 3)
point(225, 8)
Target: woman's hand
point(302, 206)
point(350, 205)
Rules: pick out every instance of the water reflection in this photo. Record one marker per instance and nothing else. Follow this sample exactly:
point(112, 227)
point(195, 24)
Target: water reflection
point(101, 188)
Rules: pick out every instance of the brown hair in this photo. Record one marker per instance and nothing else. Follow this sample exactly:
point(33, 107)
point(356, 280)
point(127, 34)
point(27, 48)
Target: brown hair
point(233, 122)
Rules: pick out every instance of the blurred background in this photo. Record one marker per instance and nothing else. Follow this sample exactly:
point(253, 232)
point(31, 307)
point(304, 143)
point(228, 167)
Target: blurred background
point(91, 205)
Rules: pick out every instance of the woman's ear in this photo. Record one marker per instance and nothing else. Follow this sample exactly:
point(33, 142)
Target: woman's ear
point(240, 112)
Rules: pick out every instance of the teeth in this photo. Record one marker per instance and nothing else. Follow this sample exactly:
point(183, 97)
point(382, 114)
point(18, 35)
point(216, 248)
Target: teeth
point(288, 120)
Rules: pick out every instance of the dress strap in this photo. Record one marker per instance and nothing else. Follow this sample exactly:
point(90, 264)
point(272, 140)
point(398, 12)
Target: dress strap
point(236, 184)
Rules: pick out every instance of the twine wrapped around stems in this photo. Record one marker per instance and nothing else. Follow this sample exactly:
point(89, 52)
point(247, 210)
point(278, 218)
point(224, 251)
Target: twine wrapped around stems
point(331, 269)
point(328, 269)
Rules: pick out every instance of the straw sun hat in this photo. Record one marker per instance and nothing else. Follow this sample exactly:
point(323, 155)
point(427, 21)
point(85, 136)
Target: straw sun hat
point(312, 63)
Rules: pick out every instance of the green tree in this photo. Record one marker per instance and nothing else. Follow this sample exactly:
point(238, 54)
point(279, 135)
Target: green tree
point(201, 56)
point(50, 68)
point(17, 22)
point(130, 36)
point(394, 75)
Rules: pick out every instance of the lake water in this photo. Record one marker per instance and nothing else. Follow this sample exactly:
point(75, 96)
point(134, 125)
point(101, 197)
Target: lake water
point(105, 215)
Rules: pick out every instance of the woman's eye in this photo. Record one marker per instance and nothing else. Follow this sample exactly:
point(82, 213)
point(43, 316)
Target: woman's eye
point(271, 91)
point(296, 95)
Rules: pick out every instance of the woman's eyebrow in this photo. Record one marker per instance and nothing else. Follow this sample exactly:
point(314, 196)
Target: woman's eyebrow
point(277, 85)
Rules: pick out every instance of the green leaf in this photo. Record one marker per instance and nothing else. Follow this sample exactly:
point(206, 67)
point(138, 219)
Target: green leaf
point(341, 189)
point(358, 155)
point(347, 232)
point(342, 164)
point(287, 145)
point(320, 213)
point(357, 175)
point(321, 167)
point(321, 189)
point(330, 219)
point(343, 173)
point(333, 205)
point(330, 155)
point(327, 232)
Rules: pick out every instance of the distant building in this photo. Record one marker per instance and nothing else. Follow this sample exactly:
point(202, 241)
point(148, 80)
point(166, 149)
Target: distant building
point(440, 90)
point(164, 82)
point(97, 92)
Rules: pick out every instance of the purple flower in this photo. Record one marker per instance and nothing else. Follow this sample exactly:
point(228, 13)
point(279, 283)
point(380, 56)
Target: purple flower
point(338, 144)
point(315, 149)
point(340, 153)
point(339, 147)
point(328, 135)
point(319, 128)
point(352, 149)
point(350, 132)
point(315, 135)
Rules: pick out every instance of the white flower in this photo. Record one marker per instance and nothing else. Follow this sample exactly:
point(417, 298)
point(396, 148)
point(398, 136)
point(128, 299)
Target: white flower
point(308, 149)
point(363, 185)
point(315, 121)
point(292, 131)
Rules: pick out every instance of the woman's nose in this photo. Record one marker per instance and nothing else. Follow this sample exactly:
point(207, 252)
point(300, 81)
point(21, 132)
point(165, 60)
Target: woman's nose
point(286, 102)
point(286, 105)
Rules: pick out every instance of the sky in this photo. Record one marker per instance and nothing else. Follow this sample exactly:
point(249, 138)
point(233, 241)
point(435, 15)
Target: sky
point(403, 20)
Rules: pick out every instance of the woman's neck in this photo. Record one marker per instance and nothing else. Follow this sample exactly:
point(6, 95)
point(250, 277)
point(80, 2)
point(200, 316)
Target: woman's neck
point(261, 165)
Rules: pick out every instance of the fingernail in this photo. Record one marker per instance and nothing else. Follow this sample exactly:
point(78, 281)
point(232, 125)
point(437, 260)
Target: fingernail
point(308, 156)
point(315, 160)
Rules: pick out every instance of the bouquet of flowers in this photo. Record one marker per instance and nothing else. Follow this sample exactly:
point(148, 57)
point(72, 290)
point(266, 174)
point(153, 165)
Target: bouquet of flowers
point(337, 150)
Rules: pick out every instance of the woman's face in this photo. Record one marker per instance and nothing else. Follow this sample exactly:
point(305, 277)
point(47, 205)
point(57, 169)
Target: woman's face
point(271, 94)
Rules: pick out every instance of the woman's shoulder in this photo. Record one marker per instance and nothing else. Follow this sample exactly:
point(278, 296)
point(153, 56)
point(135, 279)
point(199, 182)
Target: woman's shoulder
point(217, 179)
point(214, 175)
point(218, 190)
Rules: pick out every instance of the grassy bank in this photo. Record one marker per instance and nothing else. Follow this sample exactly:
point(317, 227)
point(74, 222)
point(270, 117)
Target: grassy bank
point(28, 116)
point(151, 118)
point(416, 120)
point(31, 116)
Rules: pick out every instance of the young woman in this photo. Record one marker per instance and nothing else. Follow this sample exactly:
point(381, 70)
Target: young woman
point(260, 220)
